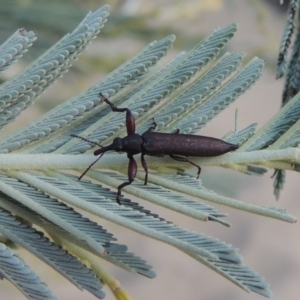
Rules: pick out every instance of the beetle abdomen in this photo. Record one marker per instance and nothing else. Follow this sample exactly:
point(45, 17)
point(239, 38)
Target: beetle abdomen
point(156, 143)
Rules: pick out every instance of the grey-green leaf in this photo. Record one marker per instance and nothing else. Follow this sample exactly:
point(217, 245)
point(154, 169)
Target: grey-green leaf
point(18, 93)
point(19, 274)
point(14, 47)
point(286, 37)
point(35, 242)
point(83, 106)
point(58, 212)
point(116, 254)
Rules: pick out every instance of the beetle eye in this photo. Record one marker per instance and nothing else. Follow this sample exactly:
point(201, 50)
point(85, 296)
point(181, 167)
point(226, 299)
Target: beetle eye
point(118, 144)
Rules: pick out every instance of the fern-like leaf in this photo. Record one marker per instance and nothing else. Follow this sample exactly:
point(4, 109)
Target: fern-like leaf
point(286, 38)
point(60, 260)
point(14, 270)
point(15, 47)
point(36, 187)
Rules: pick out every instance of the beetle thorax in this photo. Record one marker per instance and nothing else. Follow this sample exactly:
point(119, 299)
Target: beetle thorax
point(132, 144)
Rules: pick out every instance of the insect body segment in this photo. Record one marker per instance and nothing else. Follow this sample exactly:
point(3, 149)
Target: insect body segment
point(158, 143)
point(174, 144)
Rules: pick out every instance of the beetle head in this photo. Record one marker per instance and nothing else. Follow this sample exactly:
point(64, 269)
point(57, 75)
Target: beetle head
point(117, 145)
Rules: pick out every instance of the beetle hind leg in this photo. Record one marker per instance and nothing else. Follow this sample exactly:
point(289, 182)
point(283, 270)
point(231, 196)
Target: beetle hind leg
point(153, 126)
point(184, 159)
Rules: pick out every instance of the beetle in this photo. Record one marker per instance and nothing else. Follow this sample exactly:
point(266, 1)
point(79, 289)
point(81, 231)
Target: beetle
point(175, 145)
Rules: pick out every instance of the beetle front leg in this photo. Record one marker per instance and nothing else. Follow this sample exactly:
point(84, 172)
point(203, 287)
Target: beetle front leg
point(144, 164)
point(132, 169)
point(130, 123)
point(184, 159)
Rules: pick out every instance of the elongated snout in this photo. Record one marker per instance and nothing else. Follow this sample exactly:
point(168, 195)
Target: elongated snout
point(104, 149)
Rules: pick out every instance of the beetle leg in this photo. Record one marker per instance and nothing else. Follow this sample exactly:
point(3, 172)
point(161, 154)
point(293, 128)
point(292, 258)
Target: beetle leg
point(176, 131)
point(153, 126)
point(144, 164)
point(132, 169)
point(130, 123)
point(184, 159)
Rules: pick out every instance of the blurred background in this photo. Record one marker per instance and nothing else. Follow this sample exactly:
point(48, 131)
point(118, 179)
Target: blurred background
point(268, 246)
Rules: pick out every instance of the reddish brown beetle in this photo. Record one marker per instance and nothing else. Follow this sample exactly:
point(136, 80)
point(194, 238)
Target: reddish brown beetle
point(174, 144)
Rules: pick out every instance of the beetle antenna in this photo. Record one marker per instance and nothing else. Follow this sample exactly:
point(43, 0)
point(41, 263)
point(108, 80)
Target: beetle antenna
point(90, 166)
point(86, 140)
